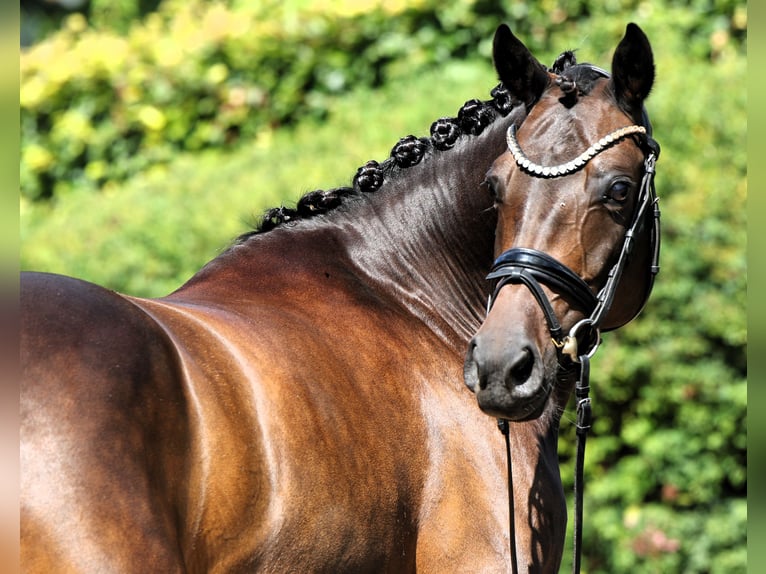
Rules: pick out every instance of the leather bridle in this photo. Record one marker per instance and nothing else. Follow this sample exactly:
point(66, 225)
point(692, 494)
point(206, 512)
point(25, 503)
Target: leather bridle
point(530, 267)
point(533, 268)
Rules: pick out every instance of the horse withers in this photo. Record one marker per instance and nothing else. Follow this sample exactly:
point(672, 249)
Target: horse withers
point(297, 405)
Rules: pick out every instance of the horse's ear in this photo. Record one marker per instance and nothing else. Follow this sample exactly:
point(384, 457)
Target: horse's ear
point(632, 80)
point(633, 71)
point(523, 76)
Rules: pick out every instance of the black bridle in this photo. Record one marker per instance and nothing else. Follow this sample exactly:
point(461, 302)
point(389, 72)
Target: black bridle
point(533, 268)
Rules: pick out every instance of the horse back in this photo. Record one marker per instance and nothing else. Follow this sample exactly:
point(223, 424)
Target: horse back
point(102, 431)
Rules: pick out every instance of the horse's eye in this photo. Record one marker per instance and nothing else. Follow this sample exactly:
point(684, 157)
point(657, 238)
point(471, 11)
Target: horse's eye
point(618, 191)
point(489, 184)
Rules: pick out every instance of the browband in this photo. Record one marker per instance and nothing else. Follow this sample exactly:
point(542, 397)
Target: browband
point(573, 165)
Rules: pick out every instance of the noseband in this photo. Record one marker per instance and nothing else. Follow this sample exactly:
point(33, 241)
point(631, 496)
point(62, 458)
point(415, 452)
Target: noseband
point(532, 268)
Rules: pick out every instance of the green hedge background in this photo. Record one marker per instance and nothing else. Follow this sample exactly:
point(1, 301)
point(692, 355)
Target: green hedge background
point(150, 139)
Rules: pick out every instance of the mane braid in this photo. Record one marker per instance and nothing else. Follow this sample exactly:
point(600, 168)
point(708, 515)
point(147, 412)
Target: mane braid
point(472, 119)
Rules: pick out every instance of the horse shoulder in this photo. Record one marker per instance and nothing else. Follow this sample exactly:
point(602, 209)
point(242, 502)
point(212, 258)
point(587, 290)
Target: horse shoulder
point(291, 393)
point(345, 395)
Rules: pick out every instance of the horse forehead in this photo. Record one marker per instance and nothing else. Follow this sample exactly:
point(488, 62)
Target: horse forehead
point(555, 133)
point(592, 116)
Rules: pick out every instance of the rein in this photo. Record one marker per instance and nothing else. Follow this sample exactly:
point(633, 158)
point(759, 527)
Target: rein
point(531, 267)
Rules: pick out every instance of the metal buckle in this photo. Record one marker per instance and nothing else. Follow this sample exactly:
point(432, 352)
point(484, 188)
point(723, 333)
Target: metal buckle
point(570, 344)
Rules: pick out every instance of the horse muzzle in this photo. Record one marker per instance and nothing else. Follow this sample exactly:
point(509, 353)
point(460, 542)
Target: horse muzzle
point(508, 379)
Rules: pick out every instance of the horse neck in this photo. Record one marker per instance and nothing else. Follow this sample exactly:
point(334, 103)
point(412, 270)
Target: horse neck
point(427, 235)
point(424, 240)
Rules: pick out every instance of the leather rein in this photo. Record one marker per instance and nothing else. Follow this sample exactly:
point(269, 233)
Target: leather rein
point(531, 268)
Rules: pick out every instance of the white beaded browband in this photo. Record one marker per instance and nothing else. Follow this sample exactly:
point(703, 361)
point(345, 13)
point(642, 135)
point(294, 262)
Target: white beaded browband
point(571, 166)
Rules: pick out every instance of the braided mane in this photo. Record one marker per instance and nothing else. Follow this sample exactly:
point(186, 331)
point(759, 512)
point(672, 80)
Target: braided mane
point(472, 118)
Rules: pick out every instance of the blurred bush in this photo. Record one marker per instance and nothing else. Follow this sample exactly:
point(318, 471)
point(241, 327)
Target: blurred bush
point(667, 485)
point(98, 106)
point(153, 232)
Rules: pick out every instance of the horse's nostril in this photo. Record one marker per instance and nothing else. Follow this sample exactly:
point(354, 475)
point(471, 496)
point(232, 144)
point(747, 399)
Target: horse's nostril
point(521, 368)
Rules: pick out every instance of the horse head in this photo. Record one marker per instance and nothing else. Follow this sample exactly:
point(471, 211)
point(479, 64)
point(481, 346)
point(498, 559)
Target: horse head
point(577, 235)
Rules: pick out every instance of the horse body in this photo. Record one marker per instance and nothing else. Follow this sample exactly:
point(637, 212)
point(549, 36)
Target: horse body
point(298, 403)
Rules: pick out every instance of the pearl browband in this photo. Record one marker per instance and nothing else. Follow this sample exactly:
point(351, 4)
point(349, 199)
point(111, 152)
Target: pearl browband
point(579, 162)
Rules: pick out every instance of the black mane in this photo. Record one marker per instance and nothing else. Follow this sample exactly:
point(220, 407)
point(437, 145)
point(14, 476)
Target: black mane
point(471, 120)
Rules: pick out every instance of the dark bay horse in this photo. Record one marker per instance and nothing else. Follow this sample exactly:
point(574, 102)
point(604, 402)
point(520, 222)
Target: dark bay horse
point(298, 405)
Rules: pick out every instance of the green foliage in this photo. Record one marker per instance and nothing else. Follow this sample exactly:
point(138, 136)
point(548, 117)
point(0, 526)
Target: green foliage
point(152, 233)
point(119, 15)
point(98, 106)
point(330, 86)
